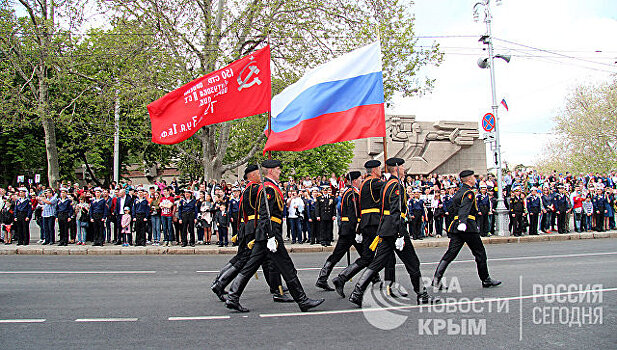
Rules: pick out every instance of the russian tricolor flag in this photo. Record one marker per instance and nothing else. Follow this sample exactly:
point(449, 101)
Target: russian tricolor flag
point(340, 100)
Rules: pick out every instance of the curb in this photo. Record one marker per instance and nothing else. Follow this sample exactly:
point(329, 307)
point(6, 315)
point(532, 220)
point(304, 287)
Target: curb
point(429, 243)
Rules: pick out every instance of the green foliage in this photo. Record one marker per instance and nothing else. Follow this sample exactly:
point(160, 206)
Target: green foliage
point(323, 160)
point(586, 132)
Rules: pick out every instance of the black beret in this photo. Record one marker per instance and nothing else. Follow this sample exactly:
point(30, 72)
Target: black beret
point(250, 169)
point(271, 163)
point(465, 173)
point(373, 163)
point(395, 161)
point(353, 175)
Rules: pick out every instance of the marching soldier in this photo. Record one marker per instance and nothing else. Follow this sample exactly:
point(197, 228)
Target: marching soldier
point(350, 218)
point(326, 214)
point(22, 217)
point(247, 223)
point(393, 237)
point(269, 244)
point(65, 215)
point(463, 229)
point(484, 208)
point(534, 207)
point(98, 214)
point(370, 209)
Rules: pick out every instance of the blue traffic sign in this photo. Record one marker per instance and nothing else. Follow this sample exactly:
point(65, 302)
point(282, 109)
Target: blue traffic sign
point(488, 122)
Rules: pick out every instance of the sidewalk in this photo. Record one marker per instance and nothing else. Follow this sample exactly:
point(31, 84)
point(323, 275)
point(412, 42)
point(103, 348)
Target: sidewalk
point(37, 249)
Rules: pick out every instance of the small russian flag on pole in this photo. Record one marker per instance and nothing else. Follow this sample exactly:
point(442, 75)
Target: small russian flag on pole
point(504, 104)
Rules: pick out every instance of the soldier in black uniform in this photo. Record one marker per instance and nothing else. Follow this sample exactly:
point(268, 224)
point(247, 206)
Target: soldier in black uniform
point(350, 219)
point(463, 229)
point(269, 244)
point(246, 233)
point(393, 237)
point(370, 209)
point(325, 211)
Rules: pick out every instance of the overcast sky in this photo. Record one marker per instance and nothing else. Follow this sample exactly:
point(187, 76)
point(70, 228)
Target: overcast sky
point(534, 87)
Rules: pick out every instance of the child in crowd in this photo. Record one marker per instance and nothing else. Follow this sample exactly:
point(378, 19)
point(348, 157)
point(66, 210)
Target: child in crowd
point(587, 214)
point(222, 221)
point(125, 223)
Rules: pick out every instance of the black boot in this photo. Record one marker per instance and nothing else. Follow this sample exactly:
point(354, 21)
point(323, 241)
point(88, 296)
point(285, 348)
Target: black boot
point(322, 280)
point(232, 299)
point(489, 282)
point(223, 269)
point(224, 279)
point(358, 291)
point(344, 276)
point(425, 298)
point(441, 269)
point(297, 292)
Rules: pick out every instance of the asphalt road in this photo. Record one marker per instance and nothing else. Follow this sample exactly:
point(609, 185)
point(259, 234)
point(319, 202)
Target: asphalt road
point(164, 302)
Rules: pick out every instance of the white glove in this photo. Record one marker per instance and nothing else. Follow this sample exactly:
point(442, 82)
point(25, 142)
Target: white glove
point(272, 244)
point(400, 243)
point(462, 227)
point(358, 238)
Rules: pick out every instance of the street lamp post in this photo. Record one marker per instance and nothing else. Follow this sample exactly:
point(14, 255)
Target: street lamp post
point(501, 224)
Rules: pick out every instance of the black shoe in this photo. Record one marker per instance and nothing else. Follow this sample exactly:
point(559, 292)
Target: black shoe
point(322, 280)
point(184, 245)
point(425, 298)
point(339, 286)
point(192, 244)
point(228, 273)
point(489, 282)
point(309, 303)
point(45, 243)
point(235, 305)
point(394, 291)
point(282, 298)
point(118, 243)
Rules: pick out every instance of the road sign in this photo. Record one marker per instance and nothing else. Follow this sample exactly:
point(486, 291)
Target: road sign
point(488, 122)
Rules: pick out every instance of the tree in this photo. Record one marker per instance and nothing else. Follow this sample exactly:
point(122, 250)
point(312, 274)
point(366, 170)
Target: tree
point(202, 35)
point(29, 44)
point(585, 132)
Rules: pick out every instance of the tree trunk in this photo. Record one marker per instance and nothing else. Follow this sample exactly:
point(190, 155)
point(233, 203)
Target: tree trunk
point(49, 128)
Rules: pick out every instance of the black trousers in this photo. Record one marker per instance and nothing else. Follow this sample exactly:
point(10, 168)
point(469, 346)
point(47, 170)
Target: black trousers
point(343, 244)
point(271, 274)
point(63, 227)
point(326, 227)
point(140, 229)
point(280, 259)
point(429, 219)
point(22, 230)
point(188, 228)
point(315, 232)
point(533, 223)
point(385, 253)
point(234, 225)
point(416, 224)
point(516, 220)
point(457, 240)
point(98, 230)
point(367, 255)
point(599, 217)
point(561, 222)
point(483, 222)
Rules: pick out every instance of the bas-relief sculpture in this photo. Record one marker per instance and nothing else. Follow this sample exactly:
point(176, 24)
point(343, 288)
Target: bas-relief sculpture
point(428, 147)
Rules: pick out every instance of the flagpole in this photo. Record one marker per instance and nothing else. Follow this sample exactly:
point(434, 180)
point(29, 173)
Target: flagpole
point(270, 111)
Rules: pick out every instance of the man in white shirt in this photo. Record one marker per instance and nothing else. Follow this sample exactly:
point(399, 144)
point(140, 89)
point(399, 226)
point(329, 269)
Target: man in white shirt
point(296, 208)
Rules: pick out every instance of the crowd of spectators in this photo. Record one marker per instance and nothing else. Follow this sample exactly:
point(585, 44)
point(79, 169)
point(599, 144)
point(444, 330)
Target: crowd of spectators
point(173, 214)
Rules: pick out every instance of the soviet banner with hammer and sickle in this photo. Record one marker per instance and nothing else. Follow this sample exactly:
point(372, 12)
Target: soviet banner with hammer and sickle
point(239, 90)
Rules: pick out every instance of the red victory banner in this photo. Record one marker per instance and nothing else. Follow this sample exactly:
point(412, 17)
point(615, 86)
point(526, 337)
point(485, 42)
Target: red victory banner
point(240, 90)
